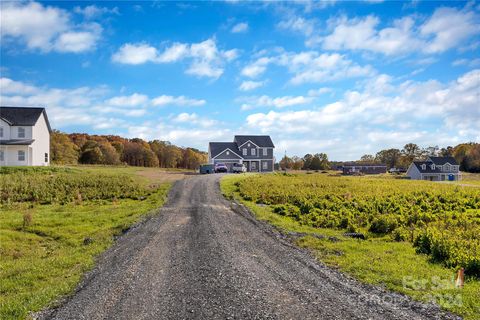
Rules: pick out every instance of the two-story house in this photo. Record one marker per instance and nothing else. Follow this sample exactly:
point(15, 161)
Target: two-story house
point(256, 152)
point(24, 137)
point(435, 169)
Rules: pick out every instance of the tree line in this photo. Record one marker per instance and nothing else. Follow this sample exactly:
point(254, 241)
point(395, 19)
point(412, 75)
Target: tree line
point(83, 148)
point(466, 154)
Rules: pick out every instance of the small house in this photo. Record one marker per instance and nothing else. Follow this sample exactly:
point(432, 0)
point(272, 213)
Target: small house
point(356, 168)
point(24, 137)
point(435, 169)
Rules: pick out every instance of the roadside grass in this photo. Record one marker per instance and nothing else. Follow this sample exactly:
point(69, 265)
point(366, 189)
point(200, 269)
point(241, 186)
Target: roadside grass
point(45, 249)
point(377, 260)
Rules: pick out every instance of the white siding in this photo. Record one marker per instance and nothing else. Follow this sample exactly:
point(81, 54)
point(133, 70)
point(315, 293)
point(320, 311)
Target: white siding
point(11, 155)
point(41, 145)
point(14, 132)
point(413, 173)
point(6, 130)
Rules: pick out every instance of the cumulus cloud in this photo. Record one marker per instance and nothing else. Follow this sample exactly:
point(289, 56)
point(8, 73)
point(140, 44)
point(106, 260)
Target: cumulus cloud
point(310, 67)
point(165, 100)
point(206, 60)
point(241, 27)
point(46, 28)
point(445, 29)
point(373, 118)
point(93, 11)
point(250, 85)
point(279, 102)
point(135, 99)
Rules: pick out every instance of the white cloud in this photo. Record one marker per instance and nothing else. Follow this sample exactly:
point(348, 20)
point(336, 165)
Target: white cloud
point(133, 100)
point(46, 28)
point(447, 28)
point(135, 54)
point(250, 85)
point(373, 119)
point(92, 11)
point(241, 27)
point(165, 100)
point(319, 91)
point(279, 102)
point(466, 62)
point(206, 59)
point(193, 118)
point(310, 67)
point(298, 24)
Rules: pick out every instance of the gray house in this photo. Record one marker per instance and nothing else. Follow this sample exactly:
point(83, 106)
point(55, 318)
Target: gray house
point(256, 152)
point(435, 169)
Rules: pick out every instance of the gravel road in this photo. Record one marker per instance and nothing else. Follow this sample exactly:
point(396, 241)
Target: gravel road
point(203, 257)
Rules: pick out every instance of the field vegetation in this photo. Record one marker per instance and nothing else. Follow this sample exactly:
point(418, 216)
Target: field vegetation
point(414, 229)
point(55, 220)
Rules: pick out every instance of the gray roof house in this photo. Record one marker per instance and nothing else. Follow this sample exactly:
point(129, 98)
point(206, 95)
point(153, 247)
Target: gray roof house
point(24, 136)
point(256, 152)
point(435, 169)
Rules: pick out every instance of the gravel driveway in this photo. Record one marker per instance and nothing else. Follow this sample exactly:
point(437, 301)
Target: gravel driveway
point(203, 257)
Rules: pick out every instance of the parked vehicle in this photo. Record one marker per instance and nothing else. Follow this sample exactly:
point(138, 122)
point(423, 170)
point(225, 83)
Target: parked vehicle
point(221, 167)
point(207, 168)
point(239, 168)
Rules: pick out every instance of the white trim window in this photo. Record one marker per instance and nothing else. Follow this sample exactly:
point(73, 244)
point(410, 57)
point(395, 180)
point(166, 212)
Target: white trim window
point(264, 165)
point(254, 152)
point(1, 132)
point(245, 151)
point(21, 155)
point(21, 132)
point(265, 151)
point(254, 165)
point(2, 155)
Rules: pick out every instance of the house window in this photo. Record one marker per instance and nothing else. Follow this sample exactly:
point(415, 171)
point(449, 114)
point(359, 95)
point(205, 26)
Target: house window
point(254, 152)
point(21, 155)
point(21, 132)
point(265, 165)
point(46, 157)
point(228, 153)
point(432, 166)
point(424, 167)
point(254, 165)
point(245, 151)
point(265, 151)
point(2, 155)
point(447, 167)
point(1, 132)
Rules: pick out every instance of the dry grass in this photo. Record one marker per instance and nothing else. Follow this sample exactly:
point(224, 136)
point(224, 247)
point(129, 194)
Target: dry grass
point(156, 175)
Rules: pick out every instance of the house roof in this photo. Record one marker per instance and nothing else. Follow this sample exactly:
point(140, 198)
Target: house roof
point(440, 161)
point(353, 164)
point(16, 142)
point(218, 147)
point(261, 141)
point(22, 116)
point(427, 164)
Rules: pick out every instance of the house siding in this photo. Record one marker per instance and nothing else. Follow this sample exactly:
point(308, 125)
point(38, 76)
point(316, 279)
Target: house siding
point(41, 145)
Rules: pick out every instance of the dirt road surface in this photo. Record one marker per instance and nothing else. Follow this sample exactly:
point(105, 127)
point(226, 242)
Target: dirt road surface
point(203, 257)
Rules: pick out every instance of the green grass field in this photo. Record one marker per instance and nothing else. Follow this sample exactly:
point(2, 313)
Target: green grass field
point(48, 243)
point(379, 260)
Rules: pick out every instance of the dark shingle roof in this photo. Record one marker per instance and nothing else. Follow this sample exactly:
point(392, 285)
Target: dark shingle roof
point(17, 142)
point(217, 147)
point(261, 141)
point(428, 169)
point(22, 116)
point(442, 160)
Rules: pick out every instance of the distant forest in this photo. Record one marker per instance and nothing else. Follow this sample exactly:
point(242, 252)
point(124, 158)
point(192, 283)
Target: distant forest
point(75, 148)
point(466, 154)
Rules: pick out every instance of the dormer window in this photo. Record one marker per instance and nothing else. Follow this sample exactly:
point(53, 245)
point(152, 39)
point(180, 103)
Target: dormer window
point(432, 166)
point(447, 167)
point(424, 166)
point(21, 132)
point(254, 152)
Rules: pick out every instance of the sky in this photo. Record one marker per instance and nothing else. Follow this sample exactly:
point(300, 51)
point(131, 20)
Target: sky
point(340, 77)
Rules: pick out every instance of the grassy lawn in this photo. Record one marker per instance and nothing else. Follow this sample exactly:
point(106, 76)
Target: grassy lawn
point(377, 260)
point(46, 248)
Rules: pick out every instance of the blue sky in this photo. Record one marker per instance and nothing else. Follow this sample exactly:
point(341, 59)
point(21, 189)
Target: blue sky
point(345, 78)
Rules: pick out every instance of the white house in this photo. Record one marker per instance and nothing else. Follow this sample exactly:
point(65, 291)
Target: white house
point(435, 169)
point(24, 137)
